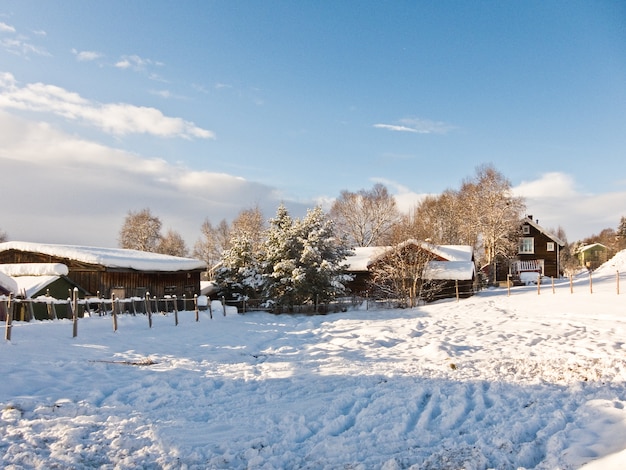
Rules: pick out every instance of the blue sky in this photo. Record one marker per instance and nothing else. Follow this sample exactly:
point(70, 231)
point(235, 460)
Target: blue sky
point(199, 109)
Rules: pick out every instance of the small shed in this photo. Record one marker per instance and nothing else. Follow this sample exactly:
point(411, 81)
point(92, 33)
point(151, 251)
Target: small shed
point(36, 281)
point(106, 271)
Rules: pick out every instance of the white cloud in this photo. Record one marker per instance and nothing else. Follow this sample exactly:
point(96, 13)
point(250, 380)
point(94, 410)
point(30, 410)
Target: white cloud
point(5, 28)
point(134, 62)
point(417, 126)
point(86, 56)
point(114, 118)
point(406, 199)
point(64, 189)
point(557, 200)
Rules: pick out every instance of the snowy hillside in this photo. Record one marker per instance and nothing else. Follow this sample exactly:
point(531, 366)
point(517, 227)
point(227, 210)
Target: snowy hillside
point(530, 380)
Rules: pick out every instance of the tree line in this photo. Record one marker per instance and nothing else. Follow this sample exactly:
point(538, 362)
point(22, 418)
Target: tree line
point(293, 261)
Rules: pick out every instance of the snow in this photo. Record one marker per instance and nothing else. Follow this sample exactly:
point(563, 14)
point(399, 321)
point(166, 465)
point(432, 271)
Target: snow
point(526, 380)
point(109, 257)
point(34, 269)
point(449, 270)
point(30, 285)
point(8, 283)
point(364, 256)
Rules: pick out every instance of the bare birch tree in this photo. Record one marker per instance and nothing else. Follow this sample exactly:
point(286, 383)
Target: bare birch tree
point(366, 217)
point(172, 244)
point(491, 213)
point(398, 271)
point(141, 231)
point(212, 243)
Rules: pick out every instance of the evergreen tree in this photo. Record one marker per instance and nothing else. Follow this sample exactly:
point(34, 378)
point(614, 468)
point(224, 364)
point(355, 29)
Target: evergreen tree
point(239, 271)
point(279, 260)
point(303, 260)
point(621, 234)
point(320, 272)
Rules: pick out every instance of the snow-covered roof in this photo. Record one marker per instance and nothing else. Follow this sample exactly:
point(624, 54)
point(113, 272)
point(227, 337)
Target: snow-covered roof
point(363, 257)
point(30, 285)
point(449, 270)
point(528, 220)
point(588, 247)
point(8, 283)
point(110, 257)
point(34, 269)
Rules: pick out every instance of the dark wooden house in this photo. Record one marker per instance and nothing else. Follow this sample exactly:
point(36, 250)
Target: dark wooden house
point(107, 271)
point(539, 251)
point(444, 267)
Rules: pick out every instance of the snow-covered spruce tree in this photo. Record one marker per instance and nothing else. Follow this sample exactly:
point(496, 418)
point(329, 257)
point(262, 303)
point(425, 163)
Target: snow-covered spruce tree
point(279, 260)
point(239, 272)
point(303, 260)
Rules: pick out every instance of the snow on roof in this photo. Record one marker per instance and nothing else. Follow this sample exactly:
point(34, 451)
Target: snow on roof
point(588, 247)
point(110, 257)
point(449, 270)
point(454, 252)
point(30, 285)
point(8, 283)
point(364, 256)
point(529, 220)
point(34, 269)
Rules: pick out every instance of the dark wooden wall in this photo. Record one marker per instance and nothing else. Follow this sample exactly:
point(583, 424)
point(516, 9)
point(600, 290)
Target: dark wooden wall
point(551, 265)
point(97, 279)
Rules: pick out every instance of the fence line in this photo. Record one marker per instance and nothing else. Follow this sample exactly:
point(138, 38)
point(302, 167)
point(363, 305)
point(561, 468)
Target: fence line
point(24, 309)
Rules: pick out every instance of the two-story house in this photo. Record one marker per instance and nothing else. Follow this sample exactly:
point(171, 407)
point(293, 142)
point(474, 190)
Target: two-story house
point(538, 252)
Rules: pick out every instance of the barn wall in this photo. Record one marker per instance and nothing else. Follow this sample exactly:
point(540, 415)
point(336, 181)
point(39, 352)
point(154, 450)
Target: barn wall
point(96, 279)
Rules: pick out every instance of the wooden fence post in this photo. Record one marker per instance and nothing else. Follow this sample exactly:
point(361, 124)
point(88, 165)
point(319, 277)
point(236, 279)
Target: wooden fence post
point(571, 284)
point(224, 305)
point(75, 313)
point(552, 280)
point(7, 334)
point(114, 312)
point(590, 283)
point(195, 306)
point(51, 314)
point(148, 312)
point(456, 287)
point(175, 311)
point(508, 285)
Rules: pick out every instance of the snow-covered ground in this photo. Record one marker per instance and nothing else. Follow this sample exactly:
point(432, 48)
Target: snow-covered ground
point(530, 380)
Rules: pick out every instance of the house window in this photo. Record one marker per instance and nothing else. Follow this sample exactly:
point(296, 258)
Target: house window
point(527, 245)
point(550, 246)
point(526, 229)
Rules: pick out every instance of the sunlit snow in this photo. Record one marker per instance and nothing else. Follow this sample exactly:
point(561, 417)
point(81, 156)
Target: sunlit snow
point(536, 379)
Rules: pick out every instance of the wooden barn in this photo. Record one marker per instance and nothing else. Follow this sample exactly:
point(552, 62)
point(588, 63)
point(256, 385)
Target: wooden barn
point(444, 266)
point(107, 271)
